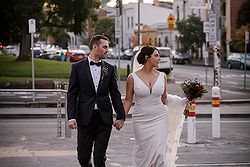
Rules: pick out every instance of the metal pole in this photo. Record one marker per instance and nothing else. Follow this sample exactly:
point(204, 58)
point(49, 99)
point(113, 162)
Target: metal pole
point(33, 65)
point(206, 74)
point(245, 64)
point(216, 112)
point(67, 129)
point(246, 42)
point(191, 125)
point(58, 113)
point(139, 44)
point(119, 63)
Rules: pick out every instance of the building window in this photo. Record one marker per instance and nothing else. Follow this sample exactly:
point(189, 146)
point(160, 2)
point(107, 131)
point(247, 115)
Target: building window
point(132, 22)
point(178, 13)
point(166, 41)
point(128, 22)
point(159, 42)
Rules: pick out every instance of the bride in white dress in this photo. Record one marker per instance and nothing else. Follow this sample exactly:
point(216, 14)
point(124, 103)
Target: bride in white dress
point(157, 128)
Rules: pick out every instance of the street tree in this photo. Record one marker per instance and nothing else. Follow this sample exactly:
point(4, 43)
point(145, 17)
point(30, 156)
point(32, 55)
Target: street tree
point(66, 14)
point(244, 13)
point(60, 36)
point(191, 34)
point(238, 42)
point(106, 26)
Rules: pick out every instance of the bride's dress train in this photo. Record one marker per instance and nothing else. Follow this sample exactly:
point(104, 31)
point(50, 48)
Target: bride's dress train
point(175, 120)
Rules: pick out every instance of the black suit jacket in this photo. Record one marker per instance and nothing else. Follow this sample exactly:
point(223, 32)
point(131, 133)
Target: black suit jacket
point(82, 96)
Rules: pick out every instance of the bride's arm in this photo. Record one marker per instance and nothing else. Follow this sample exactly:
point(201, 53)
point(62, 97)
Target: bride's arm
point(164, 95)
point(129, 94)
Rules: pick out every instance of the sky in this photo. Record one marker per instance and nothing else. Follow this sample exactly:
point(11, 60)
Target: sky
point(112, 2)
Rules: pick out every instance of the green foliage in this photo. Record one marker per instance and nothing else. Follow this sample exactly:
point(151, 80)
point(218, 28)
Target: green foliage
point(106, 26)
point(191, 33)
point(244, 13)
point(14, 17)
point(43, 68)
point(12, 70)
point(238, 41)
point(65, 14)
point(60, 36)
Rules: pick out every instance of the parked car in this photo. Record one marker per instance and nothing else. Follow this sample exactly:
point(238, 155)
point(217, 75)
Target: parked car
point(1, 46)
point(85, 48)
point(165, 64)
point(60, 55)
point(46, 55)
point(237, 60)
point(127, 54)
point(180, 58)
point(113, 53)
point(37, 51)
point(10, 50)
point(76, 55)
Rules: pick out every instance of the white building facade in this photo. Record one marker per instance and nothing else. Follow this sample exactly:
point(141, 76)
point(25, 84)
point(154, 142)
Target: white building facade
point(182, 10)
point(149, 15)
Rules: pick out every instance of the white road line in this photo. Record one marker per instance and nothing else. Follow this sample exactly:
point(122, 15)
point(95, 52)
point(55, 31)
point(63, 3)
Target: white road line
point(198, 121)
point(216, 164)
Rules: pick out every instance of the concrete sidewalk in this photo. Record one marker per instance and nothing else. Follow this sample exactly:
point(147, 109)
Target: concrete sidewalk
point(33, 143)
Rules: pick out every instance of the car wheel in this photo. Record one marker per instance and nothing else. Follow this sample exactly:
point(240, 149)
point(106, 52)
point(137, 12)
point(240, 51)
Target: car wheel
point(229, 65)
point(242, 66)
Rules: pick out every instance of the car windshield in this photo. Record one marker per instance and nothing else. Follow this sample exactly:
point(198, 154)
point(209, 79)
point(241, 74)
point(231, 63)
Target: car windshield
point(243, 56)
point(164, 53)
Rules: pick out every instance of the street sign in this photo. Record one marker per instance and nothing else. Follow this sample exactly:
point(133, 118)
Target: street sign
point(206, 27)
point(197, 4)
point(32, 25)
point(117, 27)
point(171, 19)
point(171, 22)
point(246, 37)
point(212, 29)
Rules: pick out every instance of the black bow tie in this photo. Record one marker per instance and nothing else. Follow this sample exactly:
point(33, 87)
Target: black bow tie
point(98, 63)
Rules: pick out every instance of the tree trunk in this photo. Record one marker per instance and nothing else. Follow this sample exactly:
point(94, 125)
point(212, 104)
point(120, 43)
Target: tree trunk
point(25, 52)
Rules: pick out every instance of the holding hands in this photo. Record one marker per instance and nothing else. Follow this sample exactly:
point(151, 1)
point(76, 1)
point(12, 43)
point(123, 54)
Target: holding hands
point(118, 124)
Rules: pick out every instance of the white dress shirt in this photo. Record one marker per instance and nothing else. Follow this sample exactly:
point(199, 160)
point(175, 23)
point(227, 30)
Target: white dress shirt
point(96, 75)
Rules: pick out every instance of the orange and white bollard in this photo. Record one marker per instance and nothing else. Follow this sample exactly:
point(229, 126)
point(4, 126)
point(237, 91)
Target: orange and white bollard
point(191, 122)
point(216, 112)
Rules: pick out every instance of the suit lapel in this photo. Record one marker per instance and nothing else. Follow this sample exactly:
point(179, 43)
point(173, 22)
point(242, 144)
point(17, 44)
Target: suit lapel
point(88, 73)
point(103, 74)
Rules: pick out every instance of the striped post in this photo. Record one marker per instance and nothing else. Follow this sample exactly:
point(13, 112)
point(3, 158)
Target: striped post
point(191, 122)
point(216, 112)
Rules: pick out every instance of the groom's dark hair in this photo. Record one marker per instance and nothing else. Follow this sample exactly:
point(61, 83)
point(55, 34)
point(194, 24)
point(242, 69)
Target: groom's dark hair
point(96, 39)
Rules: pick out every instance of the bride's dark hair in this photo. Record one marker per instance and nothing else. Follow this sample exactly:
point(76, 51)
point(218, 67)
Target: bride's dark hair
point(145, 51)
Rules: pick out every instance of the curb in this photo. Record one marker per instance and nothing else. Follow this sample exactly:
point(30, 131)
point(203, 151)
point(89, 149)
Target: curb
point(42, 104)
point(41, 116)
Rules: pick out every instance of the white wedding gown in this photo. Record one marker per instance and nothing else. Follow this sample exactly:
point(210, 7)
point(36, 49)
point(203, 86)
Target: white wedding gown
point(149, 120)
point(157, 128)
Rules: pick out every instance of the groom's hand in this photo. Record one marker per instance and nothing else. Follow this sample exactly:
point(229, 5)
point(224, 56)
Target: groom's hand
point(72, 124)
point(118, 124)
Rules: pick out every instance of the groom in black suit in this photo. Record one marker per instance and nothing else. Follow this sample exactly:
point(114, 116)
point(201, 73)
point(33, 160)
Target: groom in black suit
point(91, 85)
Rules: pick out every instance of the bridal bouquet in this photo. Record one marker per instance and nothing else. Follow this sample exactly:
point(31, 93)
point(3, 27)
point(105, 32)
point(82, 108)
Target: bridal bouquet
point(192, 89)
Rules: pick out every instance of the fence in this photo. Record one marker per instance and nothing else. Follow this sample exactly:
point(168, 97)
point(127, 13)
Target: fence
point(61, 99)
